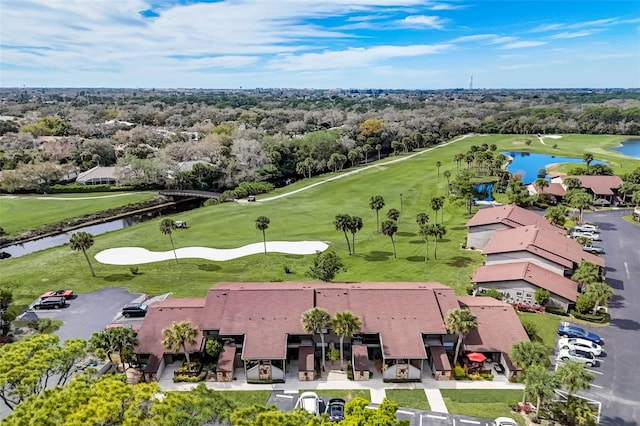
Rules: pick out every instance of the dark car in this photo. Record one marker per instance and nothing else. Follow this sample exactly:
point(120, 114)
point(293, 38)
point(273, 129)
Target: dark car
point(577, 332)
point(134, 310)
point(54, 302)
point(335, 409)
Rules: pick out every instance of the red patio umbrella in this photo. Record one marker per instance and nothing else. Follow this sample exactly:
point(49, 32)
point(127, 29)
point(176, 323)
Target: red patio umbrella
point(476, 357)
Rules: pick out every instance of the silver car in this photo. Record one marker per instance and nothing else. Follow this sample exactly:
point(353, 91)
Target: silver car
point(590, 235)
point(587, 227)
point(580, 344)
point(584, 357)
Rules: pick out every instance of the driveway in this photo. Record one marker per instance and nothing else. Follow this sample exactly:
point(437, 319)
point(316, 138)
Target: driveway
point(87, 313)
point(618, 386)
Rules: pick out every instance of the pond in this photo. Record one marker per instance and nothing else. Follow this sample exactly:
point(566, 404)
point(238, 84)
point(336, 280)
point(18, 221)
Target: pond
point(527, 164)
point(630, 147)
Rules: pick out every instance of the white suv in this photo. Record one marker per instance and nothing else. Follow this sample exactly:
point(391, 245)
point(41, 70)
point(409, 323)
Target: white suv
point(587, 227)
point(583, 357)
point(581, 344)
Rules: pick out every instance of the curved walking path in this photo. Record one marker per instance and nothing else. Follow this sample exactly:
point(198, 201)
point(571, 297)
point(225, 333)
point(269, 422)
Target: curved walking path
point(139, 255)
point(26, 197)
point(340, 176)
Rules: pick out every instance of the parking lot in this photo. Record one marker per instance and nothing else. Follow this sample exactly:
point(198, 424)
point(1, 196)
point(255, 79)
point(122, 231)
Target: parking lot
point(616, 383)
point(87, 313)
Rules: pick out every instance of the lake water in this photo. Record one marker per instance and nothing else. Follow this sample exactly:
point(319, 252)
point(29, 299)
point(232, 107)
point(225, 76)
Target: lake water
point(527, 164)
point(630, 147)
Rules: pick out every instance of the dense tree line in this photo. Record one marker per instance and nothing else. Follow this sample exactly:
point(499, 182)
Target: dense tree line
point(268, 135)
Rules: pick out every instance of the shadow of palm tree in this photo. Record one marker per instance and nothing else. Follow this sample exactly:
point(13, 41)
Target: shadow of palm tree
point(415, 258)
point(625, 324)
point(460, 261)
point(118, 277)
point(376, 256)
point(209, 267)
point(406, 234)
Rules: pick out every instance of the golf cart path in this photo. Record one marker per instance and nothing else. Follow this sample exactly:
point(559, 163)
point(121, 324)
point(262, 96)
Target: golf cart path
point(340, 176)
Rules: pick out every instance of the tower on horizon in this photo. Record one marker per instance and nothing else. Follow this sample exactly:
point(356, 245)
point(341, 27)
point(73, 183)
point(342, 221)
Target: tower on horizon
point(471, 83)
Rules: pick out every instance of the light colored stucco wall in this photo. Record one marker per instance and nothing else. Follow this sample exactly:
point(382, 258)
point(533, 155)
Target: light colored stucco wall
point(524, 256)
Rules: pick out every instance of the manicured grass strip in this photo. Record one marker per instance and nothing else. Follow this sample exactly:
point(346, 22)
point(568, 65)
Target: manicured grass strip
point(244, 399)
point(487, 403)
point(546, 326)
point(409, 398)
point(346, 394)
point(21, 214)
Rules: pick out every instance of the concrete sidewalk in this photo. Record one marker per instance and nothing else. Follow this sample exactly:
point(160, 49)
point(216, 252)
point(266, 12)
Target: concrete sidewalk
point(435, 400)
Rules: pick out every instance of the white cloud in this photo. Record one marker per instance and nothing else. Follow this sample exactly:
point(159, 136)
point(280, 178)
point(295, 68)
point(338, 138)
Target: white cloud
point(445, 6)
point(424, 21)
point(476, 37)
point(522, 44)
point(574, 34)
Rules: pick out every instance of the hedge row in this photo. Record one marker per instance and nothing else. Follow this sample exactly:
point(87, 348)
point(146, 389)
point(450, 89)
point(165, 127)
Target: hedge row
point(77, 188)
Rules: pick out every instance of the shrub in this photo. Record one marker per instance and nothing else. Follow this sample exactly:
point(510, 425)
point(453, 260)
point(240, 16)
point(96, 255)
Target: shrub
point(585, 303)
point(492, 292)
point(555, 311)
point(470, 288)
point(211, 202)
point(528, 307)
point(287, 269)
point(529, 327)
point(77, 188)
point(334, 354)
point(458, 373)
point(134, 270)
point(541, 296)
point(186, 378)
point(349, 371)
point(244, 189)
point(588, 317)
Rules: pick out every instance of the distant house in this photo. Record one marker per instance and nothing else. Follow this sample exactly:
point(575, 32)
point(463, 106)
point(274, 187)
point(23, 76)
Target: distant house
point(555, 191)
point(519, 281)
point(539, 245)
point(98, 176)
point(488, 220)
point(603, 189)
point(260, 326)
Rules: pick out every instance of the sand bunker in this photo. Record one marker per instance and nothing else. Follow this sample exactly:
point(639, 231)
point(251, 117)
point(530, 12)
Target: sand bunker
point(139, 255)
point(552, 136)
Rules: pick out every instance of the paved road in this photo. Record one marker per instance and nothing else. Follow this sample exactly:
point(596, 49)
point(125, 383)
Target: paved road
point(88, 313)
point(618, 385)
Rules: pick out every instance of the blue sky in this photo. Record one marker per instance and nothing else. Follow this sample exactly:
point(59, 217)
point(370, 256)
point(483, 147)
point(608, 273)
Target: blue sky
point(403, 44)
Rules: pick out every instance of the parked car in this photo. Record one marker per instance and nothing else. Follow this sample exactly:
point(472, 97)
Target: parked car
point(335, 409)
point(577, 332)
point(590, 235)
point(593, 249)
point(586, 227)
point(310, 402)
point(505, 421)
point(67, 294)
point(582, 344)
point(584, 357)
point(53, 302)
point(134, 310)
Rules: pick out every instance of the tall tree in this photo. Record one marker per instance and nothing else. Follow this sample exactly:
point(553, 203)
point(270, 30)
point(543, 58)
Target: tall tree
point(580, 200)
point(586, 273)
point(571, 182)
point(167, 226)
point(447, 175)
point(422, 219)
point(325, 266)
point(366, 149)
point(378, 148)
point(376, 202)
point(262, 223)
point(315, 320)
point(437, 231)
point(540, 184)
point(393, 214)
point(600, 292)
point(557, 215)
point(587, 158)
point(464, 188)
point(341, 223)
point(574, 376)
point(540, 384)
point(178, 335)
point(83, 241)
point(355, 225)
point(437, 204)
point(438, 165)
point(120, 340)
point(345, 324)
point(460, 321)
point(425, 233)
point(389, 228)
point(528, 353)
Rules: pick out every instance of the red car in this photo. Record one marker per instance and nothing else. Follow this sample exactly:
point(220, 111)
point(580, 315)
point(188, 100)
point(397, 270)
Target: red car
point(67, 294)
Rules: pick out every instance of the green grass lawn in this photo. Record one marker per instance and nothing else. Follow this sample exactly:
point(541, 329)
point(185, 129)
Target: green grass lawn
point(409, 398)
point(244, 399)
point(546, 326)
point(24, 213)
point(346, 394)
point(307, 215)
point(487, 403)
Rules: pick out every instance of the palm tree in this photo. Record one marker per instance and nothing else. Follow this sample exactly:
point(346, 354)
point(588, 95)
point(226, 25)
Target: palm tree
point(587, 158)
point(460, 321)
point(178, 335)
point(315, 320)
point(121, 340)
point(438, 165)
point(447, 175)
point(355, 225)
point(437, 231)
point(345, 324)
point(83, 241)
point(601, 293)
point(527, 354)
point(458, 158)
point(580, 200)
point(342, 224)
point(424, 231)
point(586, 273)
point(378, 148)
point(574, 376)
point(393, 214)
point(366, 149)
point(167, 226)
point(376, 202)
point(635, 198)
point(540, 384)
point(540, 184)
point(389, 228)
point(556, 215)
point(422, 219)
point(437, 203)
point(571, 182)
point(262, 223)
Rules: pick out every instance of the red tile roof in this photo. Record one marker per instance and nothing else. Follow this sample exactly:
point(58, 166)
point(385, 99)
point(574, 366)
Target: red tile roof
point(498, 325)
point(599, 185)
point(226, 358)
point(511, 216)
point(305, 358)
point(530, 272)
point(360, 357)
point(541, 242)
